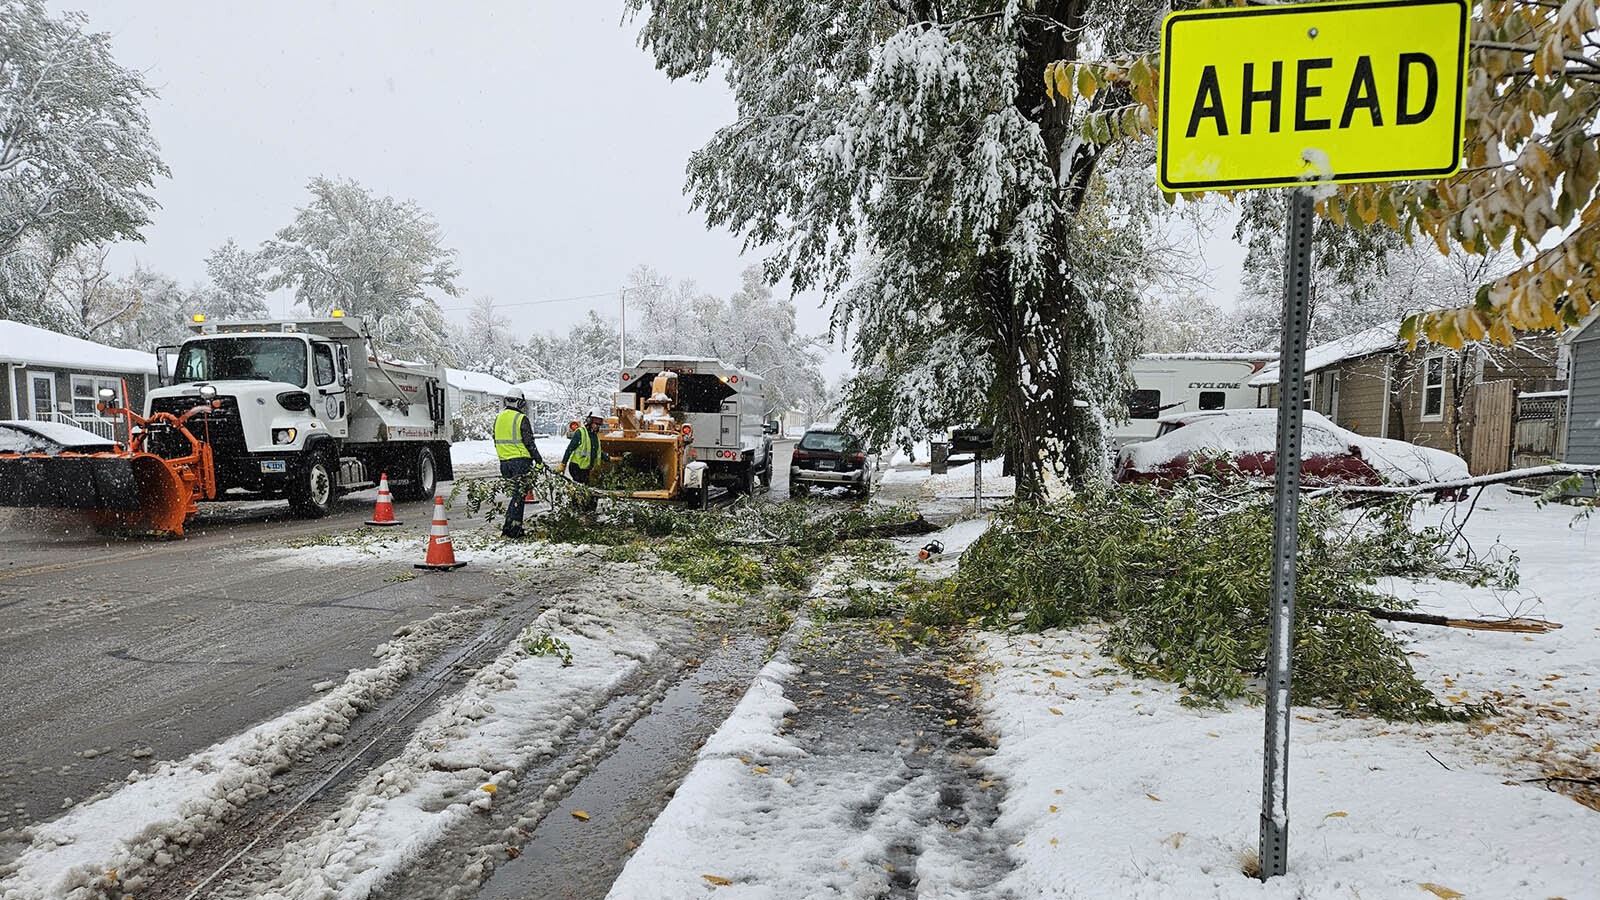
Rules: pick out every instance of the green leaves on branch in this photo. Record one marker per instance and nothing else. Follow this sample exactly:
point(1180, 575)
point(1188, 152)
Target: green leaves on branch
point(1183, 579)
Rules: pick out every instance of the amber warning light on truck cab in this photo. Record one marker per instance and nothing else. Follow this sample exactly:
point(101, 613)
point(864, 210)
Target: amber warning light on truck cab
point(1276, 96)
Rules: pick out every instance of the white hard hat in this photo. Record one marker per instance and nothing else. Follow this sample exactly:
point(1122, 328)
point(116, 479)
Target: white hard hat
point(594, 413)
point(515, 397)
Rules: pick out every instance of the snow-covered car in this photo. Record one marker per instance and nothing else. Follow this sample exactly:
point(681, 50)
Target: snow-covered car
point(825, 458)
point(50, 438)
point(1244, 442)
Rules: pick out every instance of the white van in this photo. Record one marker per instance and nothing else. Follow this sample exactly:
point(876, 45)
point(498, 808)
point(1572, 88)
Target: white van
point(1186, 382)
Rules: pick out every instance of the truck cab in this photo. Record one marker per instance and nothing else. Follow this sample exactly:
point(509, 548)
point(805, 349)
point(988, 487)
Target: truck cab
point(723, 407)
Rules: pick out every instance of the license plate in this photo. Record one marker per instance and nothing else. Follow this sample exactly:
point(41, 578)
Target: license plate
point(274, 465)
point(827, 464)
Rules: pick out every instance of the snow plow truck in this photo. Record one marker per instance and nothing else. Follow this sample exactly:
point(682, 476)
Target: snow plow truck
point(300, 409)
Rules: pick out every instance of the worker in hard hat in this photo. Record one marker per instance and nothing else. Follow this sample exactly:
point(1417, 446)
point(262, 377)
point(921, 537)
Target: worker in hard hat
point(513, 444)
point(583, 451)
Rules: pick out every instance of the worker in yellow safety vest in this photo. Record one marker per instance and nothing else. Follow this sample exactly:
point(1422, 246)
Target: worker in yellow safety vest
point(583, 451)
point(513, 444)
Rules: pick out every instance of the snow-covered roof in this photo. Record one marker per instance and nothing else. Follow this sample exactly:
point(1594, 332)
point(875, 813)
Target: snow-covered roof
point(1363, 343)
point(541, 389)
point(26, 344)
point(1253, 356)
point(465, 380)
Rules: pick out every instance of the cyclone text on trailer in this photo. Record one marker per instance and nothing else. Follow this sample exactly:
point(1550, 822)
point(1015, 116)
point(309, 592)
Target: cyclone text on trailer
point(1275, 96)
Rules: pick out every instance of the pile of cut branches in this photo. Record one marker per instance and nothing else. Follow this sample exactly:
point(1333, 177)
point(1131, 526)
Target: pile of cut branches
point(1183, 579)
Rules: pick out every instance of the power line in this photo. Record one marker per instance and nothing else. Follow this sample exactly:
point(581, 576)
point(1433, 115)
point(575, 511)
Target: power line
point(498, 304)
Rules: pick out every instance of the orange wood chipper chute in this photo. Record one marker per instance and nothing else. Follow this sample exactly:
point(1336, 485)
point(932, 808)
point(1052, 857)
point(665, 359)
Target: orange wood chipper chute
point(150, 486)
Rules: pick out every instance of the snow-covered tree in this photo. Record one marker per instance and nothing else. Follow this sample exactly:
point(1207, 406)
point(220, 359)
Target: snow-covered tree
point(582, 364)
point(484, 343)
point(1181, 325)
point(751, 329)
point(234, 286)
point(140, 310)
point(664, 317)
point(917, 136)
point(77, 160)
point(370, 256)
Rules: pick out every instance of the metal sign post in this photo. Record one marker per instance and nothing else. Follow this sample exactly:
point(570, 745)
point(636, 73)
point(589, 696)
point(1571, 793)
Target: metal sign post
point(1285, 535)
point(1277, 96)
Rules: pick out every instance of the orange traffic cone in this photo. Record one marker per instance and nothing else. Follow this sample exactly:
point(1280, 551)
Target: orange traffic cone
point(441, 555)
point(383, 514)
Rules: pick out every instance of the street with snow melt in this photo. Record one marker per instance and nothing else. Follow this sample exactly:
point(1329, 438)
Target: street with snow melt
point(286, 709)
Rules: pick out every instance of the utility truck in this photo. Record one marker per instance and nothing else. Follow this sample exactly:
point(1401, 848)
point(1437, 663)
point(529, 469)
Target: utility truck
point(306, 409)
point(1185, 382)
point(302, 409)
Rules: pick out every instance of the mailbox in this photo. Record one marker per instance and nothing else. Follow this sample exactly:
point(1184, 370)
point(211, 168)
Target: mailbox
point(971, 440)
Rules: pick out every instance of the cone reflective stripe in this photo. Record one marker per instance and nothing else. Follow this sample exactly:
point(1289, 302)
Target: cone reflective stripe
point(441, 555)
point(383, 514)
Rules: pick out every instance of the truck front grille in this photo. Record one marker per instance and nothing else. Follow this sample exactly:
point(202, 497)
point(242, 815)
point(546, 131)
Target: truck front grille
point(220, 426)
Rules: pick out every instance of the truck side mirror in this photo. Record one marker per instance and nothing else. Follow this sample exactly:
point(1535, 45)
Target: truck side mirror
point(163, 377)
point(345, 375)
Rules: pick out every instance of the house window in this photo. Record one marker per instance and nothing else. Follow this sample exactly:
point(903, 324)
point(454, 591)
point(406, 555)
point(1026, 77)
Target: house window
point(1144, 404)
point(1213, 400)
point(86, 394)
point(1433, 388)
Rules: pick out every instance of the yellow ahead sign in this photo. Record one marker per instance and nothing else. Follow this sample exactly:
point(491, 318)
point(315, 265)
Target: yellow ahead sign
point(1272, 96)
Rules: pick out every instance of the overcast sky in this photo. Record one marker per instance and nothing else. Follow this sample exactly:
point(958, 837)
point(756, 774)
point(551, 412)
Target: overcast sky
point(541, 138)
point(538, 134)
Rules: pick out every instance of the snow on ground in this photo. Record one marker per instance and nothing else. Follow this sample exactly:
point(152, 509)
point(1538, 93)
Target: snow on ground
point(177, 803)
point(481, 453)
point(1115, 790)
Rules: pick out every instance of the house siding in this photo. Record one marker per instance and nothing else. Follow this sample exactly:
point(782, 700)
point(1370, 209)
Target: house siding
point(1362, 396)
point(1583, 404)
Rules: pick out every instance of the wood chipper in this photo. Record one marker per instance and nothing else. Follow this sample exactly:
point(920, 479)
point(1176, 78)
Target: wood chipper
point(150, 485)
point(646, 450)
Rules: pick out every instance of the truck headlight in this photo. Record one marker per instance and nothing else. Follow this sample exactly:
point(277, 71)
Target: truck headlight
point(283, 435)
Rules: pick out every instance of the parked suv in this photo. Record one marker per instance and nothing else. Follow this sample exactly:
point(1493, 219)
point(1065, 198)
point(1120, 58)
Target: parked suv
point(825, 458)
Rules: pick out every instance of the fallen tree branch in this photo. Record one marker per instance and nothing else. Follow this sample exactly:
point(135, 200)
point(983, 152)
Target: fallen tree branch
point(910, 528)
point(1529, 626)
point(1475, 481)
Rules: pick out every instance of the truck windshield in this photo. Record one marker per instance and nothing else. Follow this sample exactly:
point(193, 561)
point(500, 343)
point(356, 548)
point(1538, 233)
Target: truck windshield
point(263, 358)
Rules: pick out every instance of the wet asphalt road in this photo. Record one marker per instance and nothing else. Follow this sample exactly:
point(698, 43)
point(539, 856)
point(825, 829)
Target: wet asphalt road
point(121, 653)
point(118, 654)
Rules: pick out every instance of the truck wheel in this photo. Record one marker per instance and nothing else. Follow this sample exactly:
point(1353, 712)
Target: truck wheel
point(748, 477)
point(766, 471)
point(424, 477)
point(311, 490)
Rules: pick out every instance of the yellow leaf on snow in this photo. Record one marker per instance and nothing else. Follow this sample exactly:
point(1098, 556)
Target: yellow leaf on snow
point(717, 880)
point(580, 815)
point(950, 721)
point(1153, 797)
point(489, 788)
point(759, 770)
point(1341, 814)
point(1054, 711)
point(1440, 891)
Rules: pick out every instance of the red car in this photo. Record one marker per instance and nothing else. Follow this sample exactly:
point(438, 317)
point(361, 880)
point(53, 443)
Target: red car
point(1244, 442)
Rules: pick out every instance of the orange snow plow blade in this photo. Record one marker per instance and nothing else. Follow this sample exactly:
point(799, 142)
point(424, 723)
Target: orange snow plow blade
point(138, 492)
point(129, 490)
